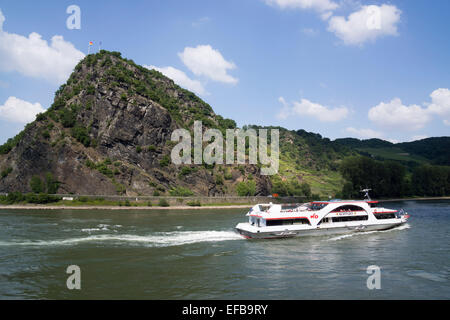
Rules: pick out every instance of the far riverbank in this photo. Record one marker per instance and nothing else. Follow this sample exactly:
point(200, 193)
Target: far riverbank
point(73, 206)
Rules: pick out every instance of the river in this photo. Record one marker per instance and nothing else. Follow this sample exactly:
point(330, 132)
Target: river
point(195, 254)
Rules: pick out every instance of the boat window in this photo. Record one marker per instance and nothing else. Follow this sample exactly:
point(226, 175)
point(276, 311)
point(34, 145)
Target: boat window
point(381, 216)
point(282, 222)
point(289, 206)
point(325, 220)
point(351, 218)
point(348, 208)
point(315, 206)
point(264, 207)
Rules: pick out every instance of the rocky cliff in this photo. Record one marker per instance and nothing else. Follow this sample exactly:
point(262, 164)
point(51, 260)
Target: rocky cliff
point(108, 133)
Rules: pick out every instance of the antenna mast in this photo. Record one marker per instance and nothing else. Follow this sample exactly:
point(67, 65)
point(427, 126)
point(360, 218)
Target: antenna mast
point(366, 194)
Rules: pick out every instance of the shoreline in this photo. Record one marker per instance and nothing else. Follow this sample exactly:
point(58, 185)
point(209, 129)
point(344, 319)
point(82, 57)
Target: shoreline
point(205, 207)
point(414, 199)
point(46, 207)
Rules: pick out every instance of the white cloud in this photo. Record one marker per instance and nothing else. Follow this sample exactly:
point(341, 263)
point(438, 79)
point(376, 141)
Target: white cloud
point(326, 15)
point(203, 60)
point(318, 5)
point(418, 137)
point(373, 134)
point(34, 57)
point(180, 78)
point(394, 141)
point(440, 104)
point(367, 24)
point(2, 19)
point(311, 109)
point(364, 133)
point(20, 111)
point(395, 115)
point(285, 111)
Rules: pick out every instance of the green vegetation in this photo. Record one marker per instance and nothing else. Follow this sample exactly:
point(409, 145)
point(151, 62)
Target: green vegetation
point(68, 117)
point(186, 171)
point(290, 188)
point(46, 135)
point(245, 189)
point(431, 181)
point(17, 197)
point(164, 161)
point(391, 153)
point(163, 203)
point(81, 135)
point(431, 150)
point(90, 90)
point(36, 184)
point(6, 172)
point(180, 192)
point(194, 203)
point(228, 175)
point(102, 167)
point(120, 188)
point(389, 179)
point(435, 150)
point(11, 143)
point(219, 180)
point(50, 185)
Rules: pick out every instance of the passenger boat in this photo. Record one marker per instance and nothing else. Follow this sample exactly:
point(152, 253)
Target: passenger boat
point(318, 217)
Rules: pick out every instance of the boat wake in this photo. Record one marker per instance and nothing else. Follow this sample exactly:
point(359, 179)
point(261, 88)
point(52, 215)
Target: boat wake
point(350, 235)
point(161, 239)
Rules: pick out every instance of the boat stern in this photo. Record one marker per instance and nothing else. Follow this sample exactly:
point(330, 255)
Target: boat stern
point(246, 230)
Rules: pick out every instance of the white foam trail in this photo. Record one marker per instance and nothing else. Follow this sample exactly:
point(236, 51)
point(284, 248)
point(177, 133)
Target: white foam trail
point(100, 227)
point(156, 240)
point(349, 235)
point(90, 230)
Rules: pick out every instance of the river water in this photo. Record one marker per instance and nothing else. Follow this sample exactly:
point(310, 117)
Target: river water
point(196, 254)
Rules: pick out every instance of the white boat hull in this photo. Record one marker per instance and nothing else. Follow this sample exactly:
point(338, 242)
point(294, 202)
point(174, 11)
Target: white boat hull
point(251, 232)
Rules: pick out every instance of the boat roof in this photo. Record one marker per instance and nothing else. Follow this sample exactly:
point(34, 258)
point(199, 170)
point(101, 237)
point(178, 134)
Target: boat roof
point(343, 201)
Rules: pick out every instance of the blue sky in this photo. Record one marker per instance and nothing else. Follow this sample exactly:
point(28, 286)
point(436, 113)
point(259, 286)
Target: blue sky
point(339, 68)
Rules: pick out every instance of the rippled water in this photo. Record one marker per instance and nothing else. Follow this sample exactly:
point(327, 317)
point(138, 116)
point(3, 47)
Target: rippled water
point(197, 255)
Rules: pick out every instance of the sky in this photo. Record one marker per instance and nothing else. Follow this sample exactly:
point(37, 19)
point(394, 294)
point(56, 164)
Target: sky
point(341, 68)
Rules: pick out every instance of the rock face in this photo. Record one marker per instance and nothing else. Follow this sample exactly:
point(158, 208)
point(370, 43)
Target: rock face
point(108, 133)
